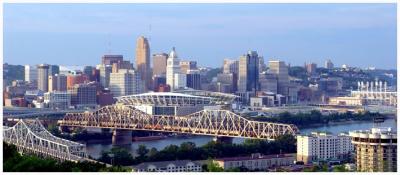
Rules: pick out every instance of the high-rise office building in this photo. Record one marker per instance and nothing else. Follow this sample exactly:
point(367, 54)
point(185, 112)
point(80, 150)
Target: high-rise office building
point(76, 79)
point(329, 64)
point(280, 69)
point(110, 59)
point(160, 64)
point(54, 69)
point(57, 99)
point(311, 68)
point(376, 149)
point(173, 68)
point(57, 82)
point(268, 83)
point(43, 74)
point(227, 82)
point(187, 66)
point(248, 72)
point(87, 70)
point(143, 61)
point(180, 81)
point(125, 82)
point(230, 66)
point(83, 95)
point(31, 73)
point(193, 79)
point(105, 71)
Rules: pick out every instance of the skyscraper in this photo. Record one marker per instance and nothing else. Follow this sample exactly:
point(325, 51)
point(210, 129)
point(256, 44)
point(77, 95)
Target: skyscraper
point(248, 72)
point(230, 66)
point(311, 68)
point(280, 69)
point(43, 73)
point(143, 61)
point(31, 73)
point(328, 64)
point(110, 59)
point(57, 82)
point(193, 79)
point(173, 68)
point(187, 66)
point(160, 64)
point(105, 71)
point(54, 69)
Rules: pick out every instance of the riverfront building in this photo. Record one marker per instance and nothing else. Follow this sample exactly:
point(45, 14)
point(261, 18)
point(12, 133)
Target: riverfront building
point(376, 149)
point(169, 166)
point(320, 146)
point(57, 99)
point(31, 73)
point(125, 82)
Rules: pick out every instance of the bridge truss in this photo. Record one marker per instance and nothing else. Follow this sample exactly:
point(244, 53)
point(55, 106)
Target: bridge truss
point(31, 137)
point(206, 122)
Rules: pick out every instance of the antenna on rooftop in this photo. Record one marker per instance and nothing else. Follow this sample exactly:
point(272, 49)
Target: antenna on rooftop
point(109, 43)
point(149, 32)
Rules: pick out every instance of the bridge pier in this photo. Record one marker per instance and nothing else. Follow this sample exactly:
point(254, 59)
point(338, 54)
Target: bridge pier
point(221, 139)
point(121, 137)
point(64, 129)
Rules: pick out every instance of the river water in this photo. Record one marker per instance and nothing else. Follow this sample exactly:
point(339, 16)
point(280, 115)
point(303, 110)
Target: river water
point(95, 149)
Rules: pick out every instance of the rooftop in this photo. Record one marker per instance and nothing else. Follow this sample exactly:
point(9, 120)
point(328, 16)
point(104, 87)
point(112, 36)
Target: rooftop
point(255, 157)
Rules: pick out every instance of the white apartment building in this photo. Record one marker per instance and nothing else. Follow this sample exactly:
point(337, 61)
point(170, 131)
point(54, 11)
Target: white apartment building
point(57, 99)
point(125, 82)
point(323, 146)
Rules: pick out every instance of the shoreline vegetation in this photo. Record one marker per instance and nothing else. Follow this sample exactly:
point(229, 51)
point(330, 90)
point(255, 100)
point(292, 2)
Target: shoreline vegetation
point(316, 118)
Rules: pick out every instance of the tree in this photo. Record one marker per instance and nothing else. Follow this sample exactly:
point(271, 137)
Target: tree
point(339, 168)
point(142, 151)
point(213, 167)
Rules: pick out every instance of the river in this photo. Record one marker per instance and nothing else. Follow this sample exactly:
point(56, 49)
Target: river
point(94, 149)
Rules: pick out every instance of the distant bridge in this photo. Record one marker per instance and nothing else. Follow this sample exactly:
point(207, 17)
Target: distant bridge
point(221, 123)
point(31, 137)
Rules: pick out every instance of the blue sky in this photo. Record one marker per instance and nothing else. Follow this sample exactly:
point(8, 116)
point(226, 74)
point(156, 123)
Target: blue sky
point(360, 35)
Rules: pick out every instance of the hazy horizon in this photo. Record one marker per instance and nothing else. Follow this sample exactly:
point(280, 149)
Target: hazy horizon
point(359, 35)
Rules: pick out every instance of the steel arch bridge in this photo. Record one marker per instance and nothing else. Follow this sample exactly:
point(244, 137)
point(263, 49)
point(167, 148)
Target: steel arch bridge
point(31, 137)
point(206, 122)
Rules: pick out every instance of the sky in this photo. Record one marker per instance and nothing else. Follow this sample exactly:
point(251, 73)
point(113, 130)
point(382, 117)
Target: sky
point(360, 35)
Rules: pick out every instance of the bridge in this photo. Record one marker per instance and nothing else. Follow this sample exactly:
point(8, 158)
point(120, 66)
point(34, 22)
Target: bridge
point(220, 123)
point(30, 137)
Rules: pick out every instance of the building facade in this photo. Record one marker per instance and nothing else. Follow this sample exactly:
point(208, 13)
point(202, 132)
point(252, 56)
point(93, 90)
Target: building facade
point(376, 149)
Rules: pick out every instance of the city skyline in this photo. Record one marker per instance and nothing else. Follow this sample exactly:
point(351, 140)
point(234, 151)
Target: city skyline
point(359, 35)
